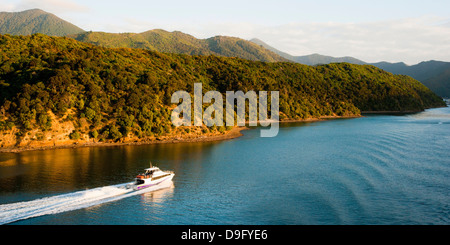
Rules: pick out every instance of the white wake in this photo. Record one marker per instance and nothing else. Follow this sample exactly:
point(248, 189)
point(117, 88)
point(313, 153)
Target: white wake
point(67, 202)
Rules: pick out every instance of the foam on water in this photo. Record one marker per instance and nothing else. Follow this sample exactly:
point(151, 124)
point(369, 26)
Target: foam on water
point(67, 202)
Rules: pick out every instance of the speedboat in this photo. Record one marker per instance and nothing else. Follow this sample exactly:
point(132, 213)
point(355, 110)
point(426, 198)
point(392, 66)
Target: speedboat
point(152, 176)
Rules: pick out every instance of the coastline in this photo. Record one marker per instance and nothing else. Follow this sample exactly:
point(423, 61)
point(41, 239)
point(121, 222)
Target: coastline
point(322, 118)
point(231, 134)
point(399, 112)
point(389, 112)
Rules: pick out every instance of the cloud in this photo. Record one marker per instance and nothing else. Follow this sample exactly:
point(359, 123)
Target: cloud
point(7, 7)
point(53, 6)
point(409, 40)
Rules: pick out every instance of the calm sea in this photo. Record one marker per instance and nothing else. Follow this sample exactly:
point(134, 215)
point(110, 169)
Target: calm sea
point(373, 170)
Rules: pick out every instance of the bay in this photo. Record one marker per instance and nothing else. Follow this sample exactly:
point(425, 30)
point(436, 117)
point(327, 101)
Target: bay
point(377, 169)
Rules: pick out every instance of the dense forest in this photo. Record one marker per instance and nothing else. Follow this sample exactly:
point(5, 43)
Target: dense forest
point(114, 93)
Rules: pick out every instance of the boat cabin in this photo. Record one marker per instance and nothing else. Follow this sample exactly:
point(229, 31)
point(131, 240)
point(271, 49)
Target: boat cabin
point(148, 173)
point(151, 170)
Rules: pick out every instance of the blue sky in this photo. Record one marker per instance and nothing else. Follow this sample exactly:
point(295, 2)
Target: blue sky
point(395, 30)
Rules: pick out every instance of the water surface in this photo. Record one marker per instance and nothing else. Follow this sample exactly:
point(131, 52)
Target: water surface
point(372, 170)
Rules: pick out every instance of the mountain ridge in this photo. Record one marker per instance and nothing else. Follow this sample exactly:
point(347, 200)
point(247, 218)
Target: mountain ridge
point(312, 59)
point(35, 21)
point(181, 43)
point(38, 21)
point(433, 74)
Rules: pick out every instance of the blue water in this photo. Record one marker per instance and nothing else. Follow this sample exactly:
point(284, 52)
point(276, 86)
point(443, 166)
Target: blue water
point(371, 170)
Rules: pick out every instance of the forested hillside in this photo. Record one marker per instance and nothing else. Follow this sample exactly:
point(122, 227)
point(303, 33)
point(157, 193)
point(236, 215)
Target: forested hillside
point(119, 93)
point(35, 21)
point(181, 43)
point(433, 74)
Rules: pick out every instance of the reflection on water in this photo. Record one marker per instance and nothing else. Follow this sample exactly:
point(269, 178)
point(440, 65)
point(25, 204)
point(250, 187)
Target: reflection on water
point(156, 198)
point(62, 170)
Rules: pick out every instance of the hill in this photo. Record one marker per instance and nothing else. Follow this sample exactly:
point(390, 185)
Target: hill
point(318, 59)
point(312, 59)
point(35, 21)
point(433, 74)
point(38, 21)
point(57, 90)
point(267, 46)
point(181, 43)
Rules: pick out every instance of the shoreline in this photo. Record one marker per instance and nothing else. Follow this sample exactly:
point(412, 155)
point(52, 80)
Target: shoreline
point(388, 112)
point(231, 134)
point(322, 118)
point(399, 112)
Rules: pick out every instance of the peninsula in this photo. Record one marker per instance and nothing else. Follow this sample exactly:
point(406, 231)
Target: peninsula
point(56, 91)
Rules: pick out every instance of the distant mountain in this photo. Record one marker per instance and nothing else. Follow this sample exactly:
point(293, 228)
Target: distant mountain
point(38, 21)
point(433, 74)
point(317, 59)
point(267, 46)
point(181, 43)
point(35, 21)
point(399, 67)
point(312, 59)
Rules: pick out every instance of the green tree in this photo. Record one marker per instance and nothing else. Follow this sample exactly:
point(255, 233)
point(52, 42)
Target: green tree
point(114, 133)
point(90, 113)
point(75, 135)
point(94, 134)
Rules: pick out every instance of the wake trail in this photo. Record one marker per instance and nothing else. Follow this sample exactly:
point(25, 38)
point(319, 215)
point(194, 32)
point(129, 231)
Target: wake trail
point(67, 202)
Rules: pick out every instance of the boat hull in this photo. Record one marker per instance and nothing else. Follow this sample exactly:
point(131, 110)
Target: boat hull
point(151, 183)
